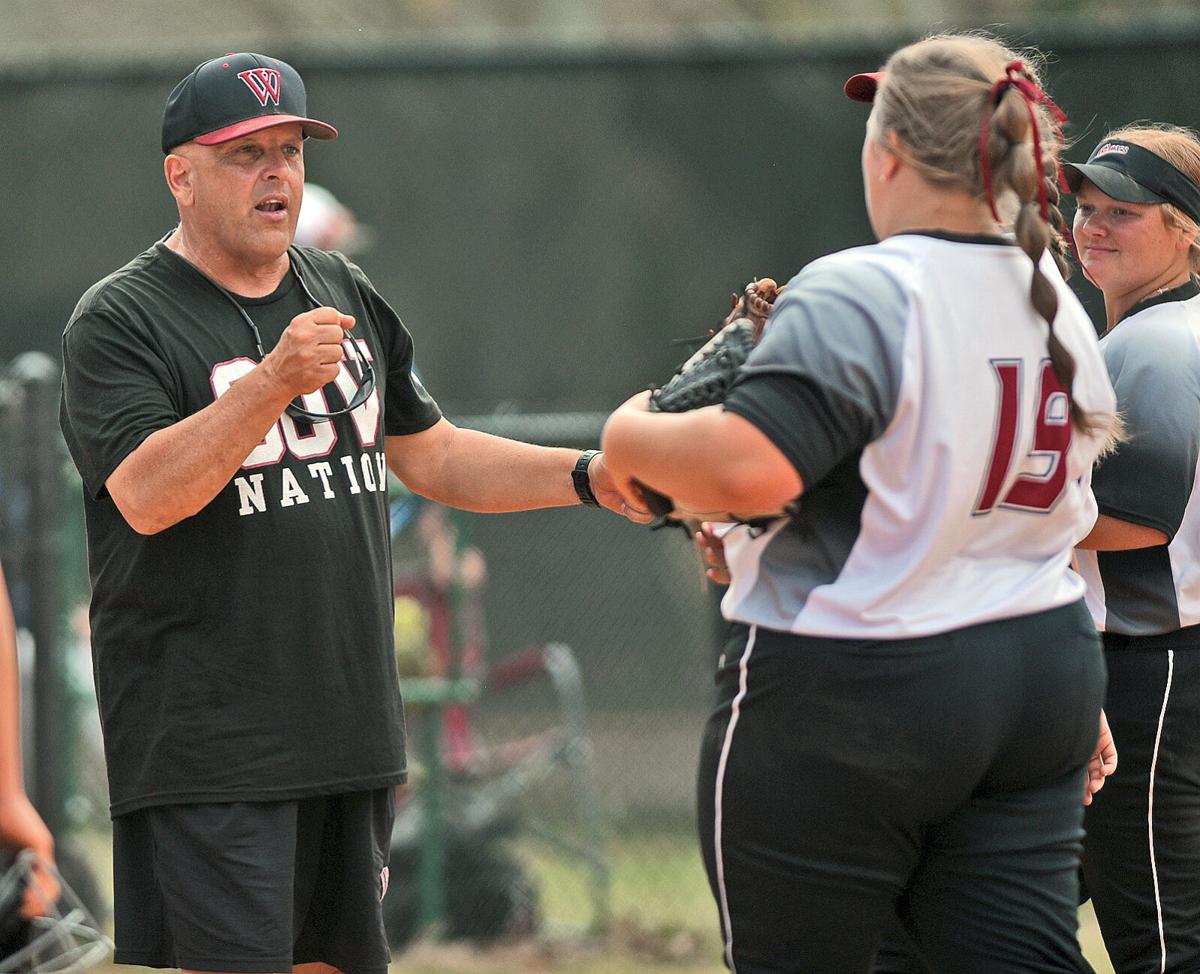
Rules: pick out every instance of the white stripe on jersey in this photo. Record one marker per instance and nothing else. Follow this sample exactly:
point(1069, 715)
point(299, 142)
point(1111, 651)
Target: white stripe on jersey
point(1184, 552)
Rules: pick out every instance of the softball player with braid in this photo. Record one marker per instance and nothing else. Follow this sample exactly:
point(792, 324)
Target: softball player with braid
point(912, 692)
point(1135, 228)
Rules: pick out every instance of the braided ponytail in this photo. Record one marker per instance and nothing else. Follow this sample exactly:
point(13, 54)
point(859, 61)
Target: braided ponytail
point(1032, 174)
point(1009, 157)
point(1060, 238)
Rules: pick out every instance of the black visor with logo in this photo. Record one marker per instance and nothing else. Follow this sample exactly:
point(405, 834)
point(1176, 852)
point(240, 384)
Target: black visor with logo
point(1133, 174)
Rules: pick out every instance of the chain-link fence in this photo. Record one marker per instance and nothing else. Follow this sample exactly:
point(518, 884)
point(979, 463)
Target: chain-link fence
point(555, 668)
point(593, 640)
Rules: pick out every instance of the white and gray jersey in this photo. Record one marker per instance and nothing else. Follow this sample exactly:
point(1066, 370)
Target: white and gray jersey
point(1153, 358)
point(909, 384)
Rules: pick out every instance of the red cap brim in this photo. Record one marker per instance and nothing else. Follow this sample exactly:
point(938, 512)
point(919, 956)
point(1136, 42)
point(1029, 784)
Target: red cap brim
point(862, 87)
point(312, 128)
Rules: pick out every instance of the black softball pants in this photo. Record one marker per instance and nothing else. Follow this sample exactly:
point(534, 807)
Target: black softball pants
point(844, 785)
point(1141, 861)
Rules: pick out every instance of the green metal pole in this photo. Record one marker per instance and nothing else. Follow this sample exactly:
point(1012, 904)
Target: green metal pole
point(564, 671)
point(433, 915)
point(431, 694)
point(432, 874)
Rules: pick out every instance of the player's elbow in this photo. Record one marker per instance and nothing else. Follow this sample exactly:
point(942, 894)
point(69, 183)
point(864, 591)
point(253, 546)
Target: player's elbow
point(750, 487)
point(750, 471)
point(424, 461)
point(140, 511)
point(149, 528)
point(143, 520)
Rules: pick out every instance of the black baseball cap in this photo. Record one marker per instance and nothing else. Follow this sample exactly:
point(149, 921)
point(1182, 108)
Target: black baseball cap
point(234, 95)
point(1133, 174)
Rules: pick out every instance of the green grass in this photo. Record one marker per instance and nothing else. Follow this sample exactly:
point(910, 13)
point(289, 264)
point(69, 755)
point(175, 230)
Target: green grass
point(601, 965)
point(1093, 945)
point(657, 880)
point(664, 918)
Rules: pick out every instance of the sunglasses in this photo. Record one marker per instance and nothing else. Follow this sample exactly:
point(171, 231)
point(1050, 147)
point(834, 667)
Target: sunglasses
point(357, 362)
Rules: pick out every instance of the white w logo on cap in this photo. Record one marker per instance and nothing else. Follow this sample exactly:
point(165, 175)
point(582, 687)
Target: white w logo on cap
point(264, 82)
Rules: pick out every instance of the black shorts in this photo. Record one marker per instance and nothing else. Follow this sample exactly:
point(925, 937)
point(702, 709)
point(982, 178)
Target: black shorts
point(851, 788)
point(1141, 857)
point(254, 886)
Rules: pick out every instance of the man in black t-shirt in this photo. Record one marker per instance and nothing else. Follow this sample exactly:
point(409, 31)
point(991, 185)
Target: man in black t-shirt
point(234, 404)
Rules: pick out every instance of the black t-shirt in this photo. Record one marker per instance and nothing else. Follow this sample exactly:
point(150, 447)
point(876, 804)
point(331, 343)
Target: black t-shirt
point(245, 653)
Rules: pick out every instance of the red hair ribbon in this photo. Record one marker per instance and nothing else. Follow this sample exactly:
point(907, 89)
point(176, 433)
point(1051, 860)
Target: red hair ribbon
point(1016, 75)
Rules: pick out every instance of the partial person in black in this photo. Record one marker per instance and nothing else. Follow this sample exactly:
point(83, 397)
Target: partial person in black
point(1138, 210)
point(234, 405)
point(21, 827)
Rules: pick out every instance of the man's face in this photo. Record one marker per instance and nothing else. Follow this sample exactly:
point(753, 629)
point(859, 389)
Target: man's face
point(245, 194)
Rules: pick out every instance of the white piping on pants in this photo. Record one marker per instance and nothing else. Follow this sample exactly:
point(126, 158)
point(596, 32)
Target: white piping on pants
point(735, 712)
point(1162, 717)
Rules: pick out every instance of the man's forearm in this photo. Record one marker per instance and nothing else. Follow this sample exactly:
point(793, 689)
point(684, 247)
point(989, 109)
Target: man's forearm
point(177, 471)
point(477, 471)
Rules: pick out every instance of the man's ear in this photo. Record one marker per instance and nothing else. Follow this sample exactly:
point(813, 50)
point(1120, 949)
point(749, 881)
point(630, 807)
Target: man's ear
point(179, 170)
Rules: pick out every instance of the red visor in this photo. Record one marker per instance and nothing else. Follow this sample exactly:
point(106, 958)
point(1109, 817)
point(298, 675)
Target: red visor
point(862, 87)
point(311, 127)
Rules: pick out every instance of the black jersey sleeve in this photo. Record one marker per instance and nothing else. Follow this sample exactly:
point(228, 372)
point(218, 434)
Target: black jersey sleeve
point(1155, 369)
point(117, 389)
point(409, 408)
point(825, 379)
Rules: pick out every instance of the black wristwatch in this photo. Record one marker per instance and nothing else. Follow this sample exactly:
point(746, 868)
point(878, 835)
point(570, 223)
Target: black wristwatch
point(581, 480)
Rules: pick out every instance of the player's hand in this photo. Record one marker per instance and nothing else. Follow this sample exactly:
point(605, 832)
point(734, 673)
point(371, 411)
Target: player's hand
point(755, 303)
point(1103, 762)
point(309, 351)
point(21, 827)
point(712, 551)
point(604, 486)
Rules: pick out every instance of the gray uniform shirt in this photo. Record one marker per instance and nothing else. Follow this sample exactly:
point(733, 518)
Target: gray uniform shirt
point(1153, 357)
point(909, 384)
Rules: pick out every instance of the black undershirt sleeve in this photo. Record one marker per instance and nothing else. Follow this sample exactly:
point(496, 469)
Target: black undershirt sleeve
point(825, 379)
point(810, 424)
